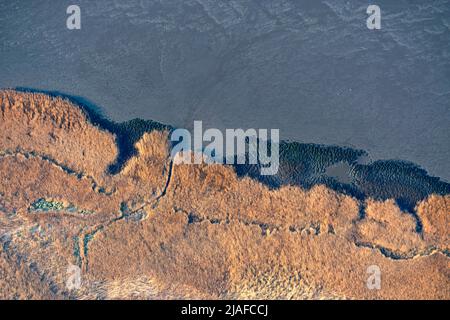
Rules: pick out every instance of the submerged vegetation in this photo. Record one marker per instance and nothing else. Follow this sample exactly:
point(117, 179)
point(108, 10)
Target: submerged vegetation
point(306, 165)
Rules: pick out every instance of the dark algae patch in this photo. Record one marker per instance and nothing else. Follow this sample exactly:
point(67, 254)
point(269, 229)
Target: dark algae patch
point(307, 165)
point(400, 180)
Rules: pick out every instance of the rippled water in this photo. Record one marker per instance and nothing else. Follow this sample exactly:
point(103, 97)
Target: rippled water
point(310, 68)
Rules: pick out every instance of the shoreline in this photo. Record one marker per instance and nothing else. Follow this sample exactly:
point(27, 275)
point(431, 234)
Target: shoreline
point(301, 164)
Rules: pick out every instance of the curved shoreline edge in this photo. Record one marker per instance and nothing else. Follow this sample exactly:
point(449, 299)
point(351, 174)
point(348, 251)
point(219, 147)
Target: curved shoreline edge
point(301, 164)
